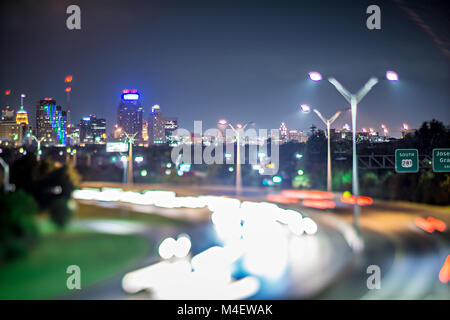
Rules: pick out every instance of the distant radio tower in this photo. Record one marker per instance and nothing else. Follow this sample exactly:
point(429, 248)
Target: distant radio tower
point(68, 80)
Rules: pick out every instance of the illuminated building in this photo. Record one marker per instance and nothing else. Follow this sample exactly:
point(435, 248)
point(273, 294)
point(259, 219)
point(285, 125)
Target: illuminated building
point(22, 120)
point(92, 130)
point(293, 135)
point(170, 125)
point(11, 131)
point(283, 131)
point(73, 134)
point(129, 115)
point(51, 122)
point(7, 114)
point(145, 130)
point(156, 126)
point(117, 133)
point(22, 116)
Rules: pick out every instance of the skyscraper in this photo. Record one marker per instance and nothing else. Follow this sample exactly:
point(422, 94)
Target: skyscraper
point(22, 116)
point(283, 132)
point(156, 126)
point(11, 131)
point(50, 122)
point(145, 130)
point(170, 125)
point(129, 115)
point(92, 130)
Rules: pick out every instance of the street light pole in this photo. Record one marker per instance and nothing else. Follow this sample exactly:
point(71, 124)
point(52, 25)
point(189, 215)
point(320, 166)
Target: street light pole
point(238, 164)
point(237, 131)
point(354, 99)
point(328, 123)
point(6, 185)
point(38, 141)
point(130, 156)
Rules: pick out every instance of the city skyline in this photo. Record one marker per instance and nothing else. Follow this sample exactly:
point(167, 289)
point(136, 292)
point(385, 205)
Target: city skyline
point(223, 55)
point(379, 129)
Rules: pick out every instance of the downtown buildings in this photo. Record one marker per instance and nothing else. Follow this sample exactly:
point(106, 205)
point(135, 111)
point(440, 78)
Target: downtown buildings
point(51, 123)
point(158, 129)
point(14, 126)
point(161, 128)
point(92, 130)
point(129, 115)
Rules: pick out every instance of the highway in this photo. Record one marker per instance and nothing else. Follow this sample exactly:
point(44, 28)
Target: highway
point(331, 264)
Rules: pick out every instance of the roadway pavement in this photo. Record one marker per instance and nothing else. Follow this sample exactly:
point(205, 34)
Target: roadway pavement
point(409, 258)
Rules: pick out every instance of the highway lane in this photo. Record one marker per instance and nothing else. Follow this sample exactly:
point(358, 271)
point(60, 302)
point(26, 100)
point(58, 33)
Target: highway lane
point(409, 258)
point(314, 261)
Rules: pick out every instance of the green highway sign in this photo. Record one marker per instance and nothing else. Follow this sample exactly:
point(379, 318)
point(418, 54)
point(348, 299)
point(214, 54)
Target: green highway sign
point(406, 160)
point(441, 160)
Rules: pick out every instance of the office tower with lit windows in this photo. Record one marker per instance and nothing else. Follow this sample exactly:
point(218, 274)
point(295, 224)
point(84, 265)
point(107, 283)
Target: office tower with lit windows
point(129, 114)
point(170, 125)
point(92, 130)
point(283, 132)
point(22, 116)
point(10, 131)
point(156, 126)
point(145, 130)
point(51, 122)
point(293, 135)
point(22, 121)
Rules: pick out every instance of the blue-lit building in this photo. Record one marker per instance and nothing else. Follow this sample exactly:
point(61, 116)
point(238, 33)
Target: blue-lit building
point(129, 114)
point(51, 122)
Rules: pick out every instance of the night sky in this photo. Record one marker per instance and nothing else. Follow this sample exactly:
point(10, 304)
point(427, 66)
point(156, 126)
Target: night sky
point(238, 60)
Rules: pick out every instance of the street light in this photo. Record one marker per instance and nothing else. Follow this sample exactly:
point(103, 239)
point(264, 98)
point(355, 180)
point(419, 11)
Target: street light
point(354, 99)
point(328, 123)
point(38, 141)
point(130, 156)
point(305, 108)
point(6, 185)
point(237, 131)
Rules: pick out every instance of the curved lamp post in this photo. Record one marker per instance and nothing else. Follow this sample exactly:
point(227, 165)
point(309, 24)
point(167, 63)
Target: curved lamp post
point(354, 99)
point(237, 130)
point(328, 122)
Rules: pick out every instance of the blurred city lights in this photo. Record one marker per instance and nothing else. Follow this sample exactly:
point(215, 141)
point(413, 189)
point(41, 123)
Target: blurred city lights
point(277, 179)
point(444, 273)
point(260, 233)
